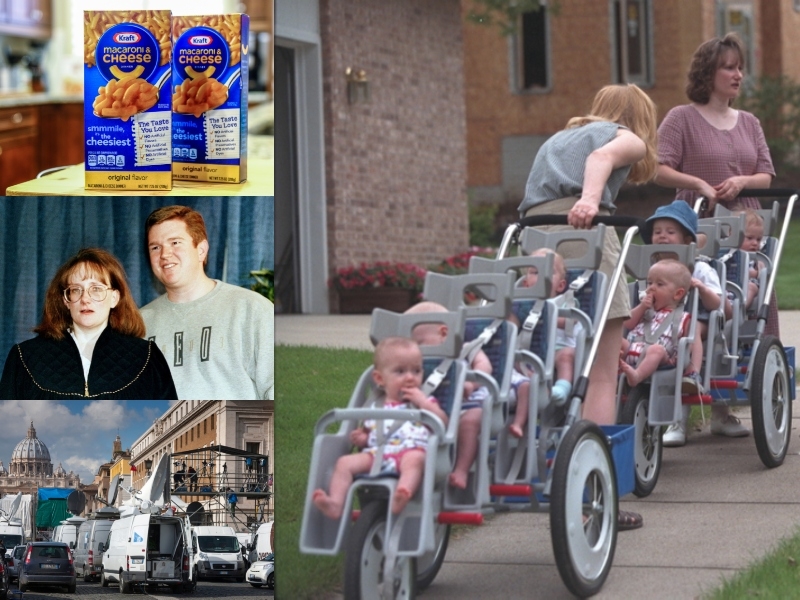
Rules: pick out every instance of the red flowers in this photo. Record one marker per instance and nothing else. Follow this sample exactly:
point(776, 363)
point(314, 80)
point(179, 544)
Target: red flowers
point(380, 274)
point(402, 275)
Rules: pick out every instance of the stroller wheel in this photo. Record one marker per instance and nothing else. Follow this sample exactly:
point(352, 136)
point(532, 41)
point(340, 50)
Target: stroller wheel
point(583, 509)
point(365, 560)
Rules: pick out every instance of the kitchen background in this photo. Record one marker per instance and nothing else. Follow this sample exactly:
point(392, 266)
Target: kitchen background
point(41, 77)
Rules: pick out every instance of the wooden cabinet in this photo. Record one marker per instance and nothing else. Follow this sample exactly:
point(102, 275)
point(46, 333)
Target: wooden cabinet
point(65, 146)
point(260, 13)
point(26, 18)
point(35, 138)
point(19, 145)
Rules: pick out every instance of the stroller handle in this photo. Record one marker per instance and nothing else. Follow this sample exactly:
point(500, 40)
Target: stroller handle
point(767, 192)
point(612, 220)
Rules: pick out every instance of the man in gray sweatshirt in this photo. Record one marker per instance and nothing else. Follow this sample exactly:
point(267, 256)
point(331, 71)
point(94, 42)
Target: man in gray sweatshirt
point(217, 338)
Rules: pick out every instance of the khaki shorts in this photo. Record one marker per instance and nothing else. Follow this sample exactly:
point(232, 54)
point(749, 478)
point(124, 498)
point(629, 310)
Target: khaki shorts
point(620, 305)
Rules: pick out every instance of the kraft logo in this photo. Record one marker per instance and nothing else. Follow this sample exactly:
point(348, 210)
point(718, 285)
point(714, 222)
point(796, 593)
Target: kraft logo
point(200, 40)
point(127, 38)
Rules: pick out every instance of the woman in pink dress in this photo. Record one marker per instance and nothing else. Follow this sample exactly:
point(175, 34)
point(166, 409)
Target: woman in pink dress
point(707, 148)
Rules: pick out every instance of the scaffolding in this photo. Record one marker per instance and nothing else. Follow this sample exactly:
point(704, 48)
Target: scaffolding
point(223, 486)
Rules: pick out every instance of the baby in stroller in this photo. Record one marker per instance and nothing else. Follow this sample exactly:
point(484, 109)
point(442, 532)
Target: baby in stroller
point(656, 323)
point(400, 447)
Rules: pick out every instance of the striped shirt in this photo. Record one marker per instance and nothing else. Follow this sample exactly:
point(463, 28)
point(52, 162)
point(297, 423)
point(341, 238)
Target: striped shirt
point(558, 168)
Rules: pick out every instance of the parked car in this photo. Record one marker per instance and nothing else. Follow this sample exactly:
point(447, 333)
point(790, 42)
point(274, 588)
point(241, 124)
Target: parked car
point(14, 559)
point(262, 572)
point(47, 563)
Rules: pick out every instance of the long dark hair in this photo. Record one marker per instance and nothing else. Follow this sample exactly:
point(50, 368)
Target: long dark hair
point(124, 318)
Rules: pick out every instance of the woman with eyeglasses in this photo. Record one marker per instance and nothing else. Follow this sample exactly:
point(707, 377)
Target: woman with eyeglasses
point(89, 343)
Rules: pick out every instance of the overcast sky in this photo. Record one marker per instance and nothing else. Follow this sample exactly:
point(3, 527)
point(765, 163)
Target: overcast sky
point(78, 433)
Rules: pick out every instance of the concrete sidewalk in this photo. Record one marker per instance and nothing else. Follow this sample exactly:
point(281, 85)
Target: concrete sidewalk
point(715, 510)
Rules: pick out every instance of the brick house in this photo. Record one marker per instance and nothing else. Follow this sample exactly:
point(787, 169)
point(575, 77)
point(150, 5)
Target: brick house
point(524, 88)
point(456, 110)
point(377, 174)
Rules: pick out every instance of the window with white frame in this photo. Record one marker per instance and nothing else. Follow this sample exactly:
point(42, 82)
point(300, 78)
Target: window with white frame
point(632, 42)
point(532, 52)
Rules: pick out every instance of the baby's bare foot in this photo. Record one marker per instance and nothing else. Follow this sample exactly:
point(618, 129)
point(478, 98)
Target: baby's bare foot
point(458, 480)
point(631, 376)
point(515, 430)
point(326, 504)
point(401, 497)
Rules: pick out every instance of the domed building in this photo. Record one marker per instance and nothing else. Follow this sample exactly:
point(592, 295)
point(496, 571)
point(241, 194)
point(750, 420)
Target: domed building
point(31, 468)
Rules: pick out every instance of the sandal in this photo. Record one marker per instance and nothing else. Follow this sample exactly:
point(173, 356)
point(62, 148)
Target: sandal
point(627, 520)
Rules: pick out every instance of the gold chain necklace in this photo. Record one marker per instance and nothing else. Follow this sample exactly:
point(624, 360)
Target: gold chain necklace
point(86, 383)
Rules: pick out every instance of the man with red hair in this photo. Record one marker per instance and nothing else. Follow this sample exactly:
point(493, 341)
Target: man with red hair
point(218, 338)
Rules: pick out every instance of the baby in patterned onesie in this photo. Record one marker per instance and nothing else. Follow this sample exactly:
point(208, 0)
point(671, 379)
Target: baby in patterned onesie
point(654, 326)
point(398, 373)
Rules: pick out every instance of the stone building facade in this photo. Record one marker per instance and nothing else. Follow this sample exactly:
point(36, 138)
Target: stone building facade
point(31, 468)
point(244, 425)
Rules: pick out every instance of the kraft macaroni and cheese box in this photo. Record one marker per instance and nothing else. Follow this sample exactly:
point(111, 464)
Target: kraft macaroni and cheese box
point(127, 100)
point(209, 101)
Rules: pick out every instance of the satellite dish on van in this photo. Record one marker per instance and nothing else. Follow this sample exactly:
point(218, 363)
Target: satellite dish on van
point(153, 489)
point(159, 478)
point(195, 512)
point(113, 489)
point(15, 504)
point(76, 502)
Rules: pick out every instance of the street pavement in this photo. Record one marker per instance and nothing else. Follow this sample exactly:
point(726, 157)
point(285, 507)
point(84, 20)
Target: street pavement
point(715, 510)
point(205, 589)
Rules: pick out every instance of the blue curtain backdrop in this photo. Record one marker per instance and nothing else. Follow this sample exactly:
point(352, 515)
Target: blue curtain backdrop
point(40, 234)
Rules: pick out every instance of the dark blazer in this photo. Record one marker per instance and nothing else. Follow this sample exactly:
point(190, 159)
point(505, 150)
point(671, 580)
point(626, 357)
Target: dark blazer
point(123, 368)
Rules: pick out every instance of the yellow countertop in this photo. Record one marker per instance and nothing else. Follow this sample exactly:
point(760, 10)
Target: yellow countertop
point(70, 181)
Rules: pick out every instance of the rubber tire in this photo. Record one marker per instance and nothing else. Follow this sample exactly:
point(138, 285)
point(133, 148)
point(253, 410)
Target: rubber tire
point(103, 580)
point(428, 564)
point(770, 402)
point(71, 589)
point(583, 458)
point(271, 581)
point(364, 558)
point(23, 588)
point(87, 577)
point(648, 448)
point(124, 586)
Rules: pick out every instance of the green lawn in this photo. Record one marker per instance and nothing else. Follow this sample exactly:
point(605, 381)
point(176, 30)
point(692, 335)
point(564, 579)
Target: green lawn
point(313, 381)
point(787, 286)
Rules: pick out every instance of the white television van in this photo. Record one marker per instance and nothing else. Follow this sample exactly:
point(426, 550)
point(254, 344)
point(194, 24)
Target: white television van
point(217, 553)
point(262, 542)
point(95, 531)
point(147, 548)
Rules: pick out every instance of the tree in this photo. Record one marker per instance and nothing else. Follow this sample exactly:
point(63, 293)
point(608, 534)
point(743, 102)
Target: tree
point(505, 14)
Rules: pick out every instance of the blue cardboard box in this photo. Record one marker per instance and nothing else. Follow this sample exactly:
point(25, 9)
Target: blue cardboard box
point(127, 101)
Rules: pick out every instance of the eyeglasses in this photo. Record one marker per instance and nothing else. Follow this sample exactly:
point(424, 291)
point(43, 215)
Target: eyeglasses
point(97, 293)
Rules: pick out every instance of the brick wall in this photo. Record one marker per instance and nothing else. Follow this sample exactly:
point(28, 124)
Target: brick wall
point(580, 53)
point(396, 166)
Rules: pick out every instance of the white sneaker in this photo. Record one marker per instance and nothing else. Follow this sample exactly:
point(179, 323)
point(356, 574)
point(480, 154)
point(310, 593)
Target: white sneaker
point(730, 426)
point(675, 435)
